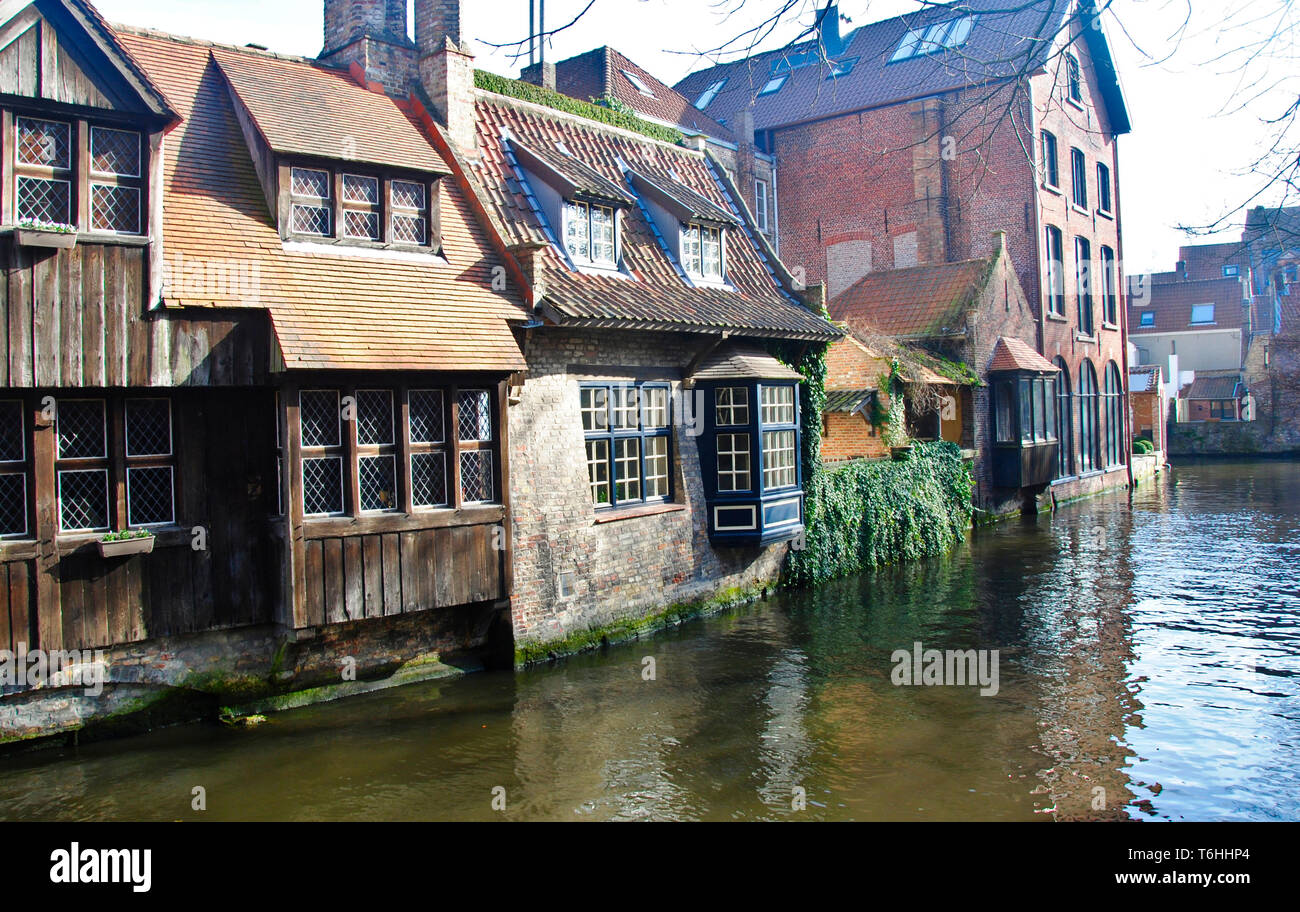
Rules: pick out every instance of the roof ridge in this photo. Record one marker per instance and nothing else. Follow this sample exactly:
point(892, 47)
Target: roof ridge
point(146, 32)
point(578, 119)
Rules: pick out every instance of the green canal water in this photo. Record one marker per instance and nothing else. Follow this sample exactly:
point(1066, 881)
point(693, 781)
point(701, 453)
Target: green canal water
point(1149, 668)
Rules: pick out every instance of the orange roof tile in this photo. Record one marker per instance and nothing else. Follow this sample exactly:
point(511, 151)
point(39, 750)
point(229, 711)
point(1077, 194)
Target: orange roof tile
point(918, 302)
point(328, 310)
point(1012, 354)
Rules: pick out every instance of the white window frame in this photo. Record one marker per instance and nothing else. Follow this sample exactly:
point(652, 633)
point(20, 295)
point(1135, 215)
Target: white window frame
point(762, 198)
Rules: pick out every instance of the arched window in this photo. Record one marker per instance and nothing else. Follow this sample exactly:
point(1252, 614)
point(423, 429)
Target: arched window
point(1089, 420)
point(1114, 412)
point(1065, 419)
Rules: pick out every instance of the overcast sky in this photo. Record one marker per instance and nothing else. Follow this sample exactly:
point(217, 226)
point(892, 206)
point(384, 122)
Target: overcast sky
point(1181, 164)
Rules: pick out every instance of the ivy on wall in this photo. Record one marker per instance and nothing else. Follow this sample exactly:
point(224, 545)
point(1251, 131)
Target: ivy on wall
point(526, 91)
point(869, 514)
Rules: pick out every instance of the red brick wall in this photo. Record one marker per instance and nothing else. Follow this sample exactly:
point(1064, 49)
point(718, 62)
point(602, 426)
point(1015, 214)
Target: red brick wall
point(847, 437)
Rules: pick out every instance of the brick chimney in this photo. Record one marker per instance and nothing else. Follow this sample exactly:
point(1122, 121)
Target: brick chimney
point(447, 69)
point(540, 74)
point(371, 35)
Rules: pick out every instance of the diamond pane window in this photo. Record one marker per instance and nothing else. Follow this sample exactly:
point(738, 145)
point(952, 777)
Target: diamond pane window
point(378, 482)
point(13, 432)
point(409, 195)
point(778, 405)
point(312, 206)
point(475, 416)
point(115, 209)
point(733, 462)
point(311, 183)
point(115, 152)
point(83, 500)
point(42, 200)
point(374, 417)
point(409, 220)
point(732, 406)
point(357, 189)
point(44, 142)
point(429, 479)
point(409, 230)
point(426, 416)
point(13, 504)
point(148, 427)
point(361, 207)
point(322, 485)
point(476, 476)
point(81, 432)
point(320, 418)
point(779, 459)
point(362, 225)
point(149, 496)
point(311, 220)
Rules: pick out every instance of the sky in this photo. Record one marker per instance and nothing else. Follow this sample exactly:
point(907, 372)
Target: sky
point(1182, 163)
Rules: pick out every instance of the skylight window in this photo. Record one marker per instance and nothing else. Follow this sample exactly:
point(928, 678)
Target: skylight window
point(774, 84)
point(709, 94)
point(638, 84)
point(1202, 314)
point(1149, 318)
point(842, 67)
point(932, 39)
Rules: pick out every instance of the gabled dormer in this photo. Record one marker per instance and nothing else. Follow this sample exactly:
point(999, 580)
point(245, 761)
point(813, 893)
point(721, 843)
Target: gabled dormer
point(693, 229)
point(82, 129)
point(343, 167)
point(583, 208)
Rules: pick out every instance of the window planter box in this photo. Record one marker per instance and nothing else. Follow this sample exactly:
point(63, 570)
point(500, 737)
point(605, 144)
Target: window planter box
point(39, 237)
point(126, 547)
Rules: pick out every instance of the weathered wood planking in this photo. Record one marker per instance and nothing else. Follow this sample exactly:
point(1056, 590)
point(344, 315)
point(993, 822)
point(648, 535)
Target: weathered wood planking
point(77, 318)
point(35, 64)
point(16, 608)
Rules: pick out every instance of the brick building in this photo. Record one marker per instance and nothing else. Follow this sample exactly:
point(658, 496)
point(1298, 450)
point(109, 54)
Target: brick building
point(919, 123)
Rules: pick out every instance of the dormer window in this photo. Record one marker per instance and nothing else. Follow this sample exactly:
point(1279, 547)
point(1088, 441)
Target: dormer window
point(102, 192)
point(702, 252)
point(353, 208)
point(589, 234)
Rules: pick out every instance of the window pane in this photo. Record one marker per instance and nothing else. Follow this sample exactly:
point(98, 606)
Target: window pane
point(1006, 413)
point(148, 427)
point(656, 467)
point(778, 405)
point(409, 195)
point(149, 496)
point(311, 220)
point(81, 429)
point(426, 416)
point(320, 418)
point(627, 469)
point(1027, 411)
point(115, 152)
point(732, 406)
point(626, 406)
point(602, 235)
point(733, 462)
point(13, 504)
point(115, 209)
point(655, 399)
point(13, 435)
point(595, 409)
point(374, 417)
point(322, 486)
point(377, 476)
point(778, 459)
point(1040, 409)
point(712, 256)
point(577, 231)
point(429, 479)
point(310, 182)
point(83, 500)
point(358, 189)
point(691, 252)
point(362, 225)
point(44, 142)
point(41, 200)
point(408, 229)
point(475, 415)
point(476, 476)
point(598, 471)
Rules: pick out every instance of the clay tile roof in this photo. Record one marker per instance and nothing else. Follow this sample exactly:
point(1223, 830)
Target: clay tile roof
point(1143, 379)
point(1006, 41)
point(1011, 354)
point(1172, 305)
point(914, 303)
point(651, 294)
point(604, 71)
point(848, 402)
point(304, 109)
point(681, 201)
point(732, 361)
point(574, 179)
point(1213, 385)
point(357, 311)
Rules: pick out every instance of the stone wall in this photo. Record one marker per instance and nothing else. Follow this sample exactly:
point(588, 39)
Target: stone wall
point(617, 567)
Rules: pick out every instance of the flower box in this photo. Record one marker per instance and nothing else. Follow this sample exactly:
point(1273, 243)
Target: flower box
point(42, 237)
point(126, 546)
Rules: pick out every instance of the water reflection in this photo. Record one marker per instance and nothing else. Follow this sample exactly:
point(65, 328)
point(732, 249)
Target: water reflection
point(1149, 668)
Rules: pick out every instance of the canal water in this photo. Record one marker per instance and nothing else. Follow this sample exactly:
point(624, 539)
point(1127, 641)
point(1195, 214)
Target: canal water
point(1149, 668)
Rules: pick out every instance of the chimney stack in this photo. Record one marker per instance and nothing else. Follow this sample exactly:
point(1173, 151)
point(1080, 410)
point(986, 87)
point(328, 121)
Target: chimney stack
point(371, 35)
point(828, 30)
point(540, 74)
point(447, 69)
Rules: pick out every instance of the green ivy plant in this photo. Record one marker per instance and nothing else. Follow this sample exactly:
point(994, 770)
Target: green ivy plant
point(893, 421)
point(526, 91)
point(126, 535)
